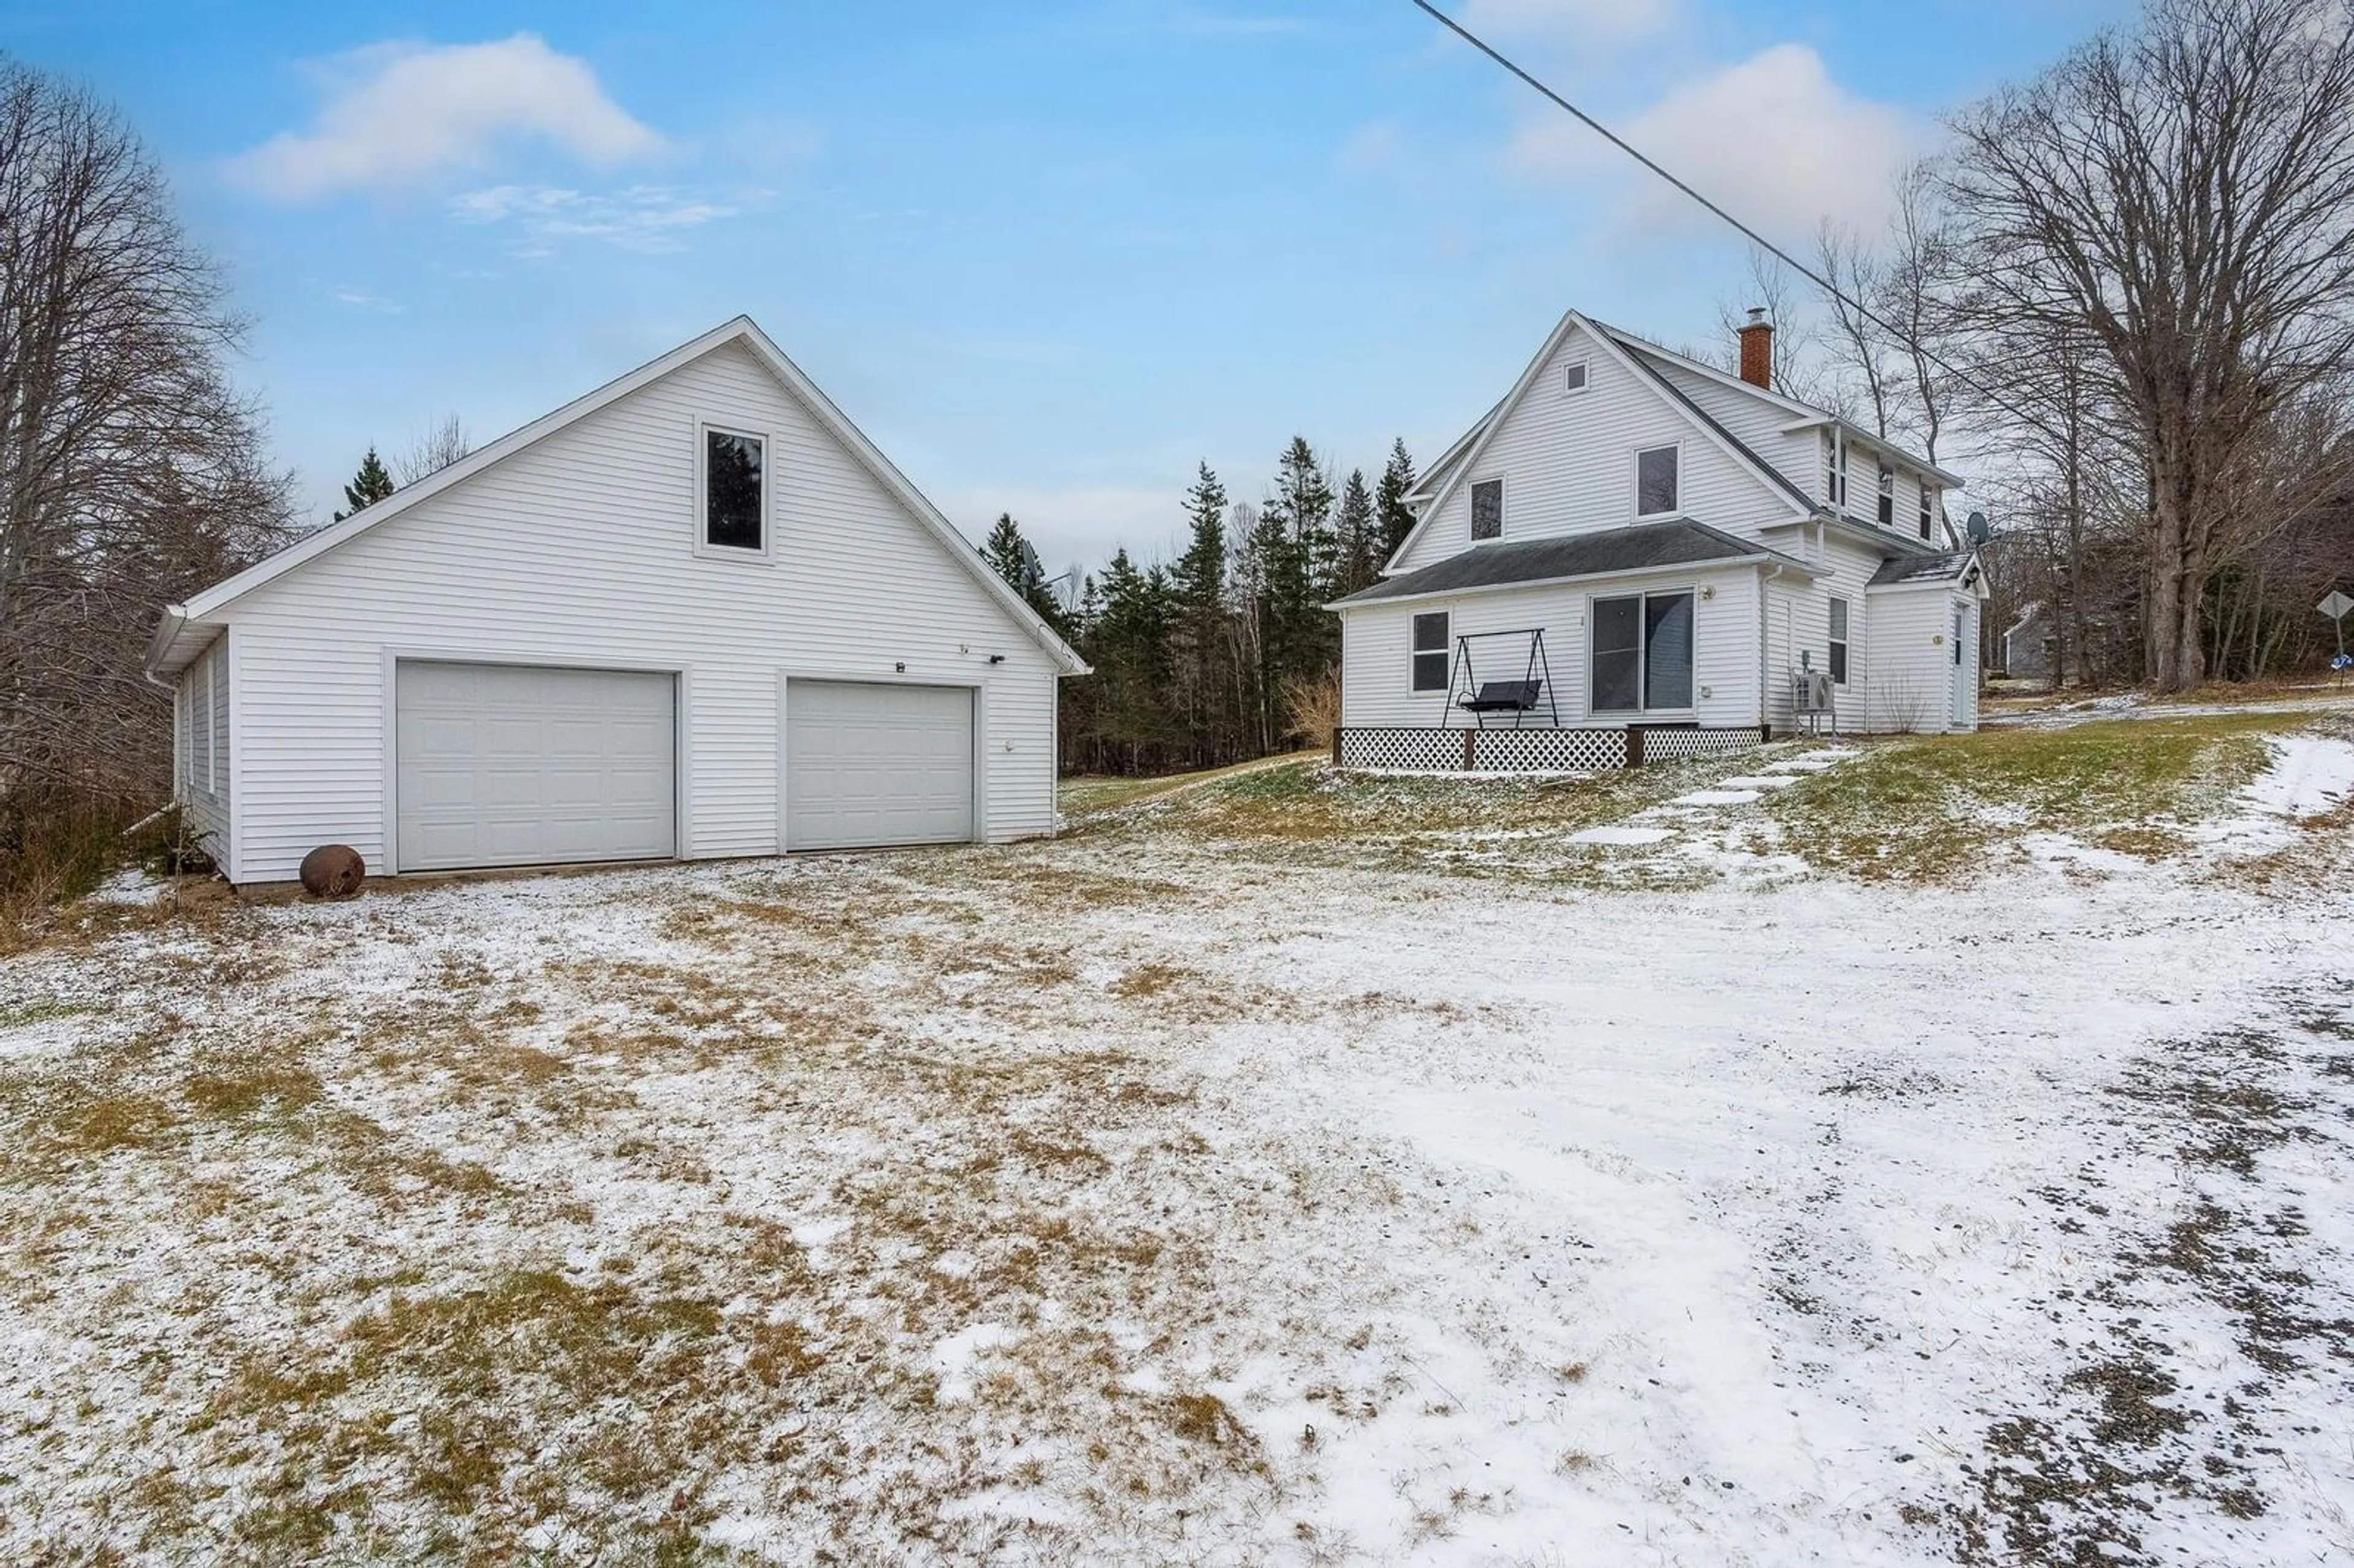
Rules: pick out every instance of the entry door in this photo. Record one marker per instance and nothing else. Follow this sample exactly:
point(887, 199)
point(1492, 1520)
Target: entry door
point(869, 764)
point(518, 765)
point(1966, 670)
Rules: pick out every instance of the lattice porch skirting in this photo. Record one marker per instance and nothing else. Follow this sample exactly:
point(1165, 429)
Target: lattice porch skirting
point(1411, 749)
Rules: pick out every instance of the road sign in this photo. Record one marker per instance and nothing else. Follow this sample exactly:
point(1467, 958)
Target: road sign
point(2335, 606)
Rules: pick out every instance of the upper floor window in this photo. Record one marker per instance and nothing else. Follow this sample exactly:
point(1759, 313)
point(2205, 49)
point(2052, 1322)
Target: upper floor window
point(1572, 377)
point(1656, 482)
point(1887, 496)
point(735, 491)
point(1488, 509)
point(1430, 651)
point(1834, 469)
point(1928, 509)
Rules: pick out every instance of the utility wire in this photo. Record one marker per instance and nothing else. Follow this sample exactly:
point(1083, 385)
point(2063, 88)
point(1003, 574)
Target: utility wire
point(1828, 286)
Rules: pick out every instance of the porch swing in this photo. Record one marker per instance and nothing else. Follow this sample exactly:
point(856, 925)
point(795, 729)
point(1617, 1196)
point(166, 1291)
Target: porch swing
point(1519, 697)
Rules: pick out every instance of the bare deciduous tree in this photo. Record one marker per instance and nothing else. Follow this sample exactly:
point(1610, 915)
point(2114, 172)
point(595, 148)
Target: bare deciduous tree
point(432, 451)
point(130, 470)
point(2181, 195)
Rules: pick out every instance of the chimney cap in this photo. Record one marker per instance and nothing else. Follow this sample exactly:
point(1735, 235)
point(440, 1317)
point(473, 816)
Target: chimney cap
point(1757, 317)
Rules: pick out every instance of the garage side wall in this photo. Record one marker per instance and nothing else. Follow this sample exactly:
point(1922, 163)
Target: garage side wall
point(580, 550)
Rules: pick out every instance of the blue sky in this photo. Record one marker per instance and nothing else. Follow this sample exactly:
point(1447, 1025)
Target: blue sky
point(1046, 254)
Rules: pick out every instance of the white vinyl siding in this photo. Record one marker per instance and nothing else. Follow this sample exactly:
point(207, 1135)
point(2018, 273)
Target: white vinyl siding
point(579, 550)
point(1568, 463)
point(204, 782)
point(1912, 670)
point(1377, 639)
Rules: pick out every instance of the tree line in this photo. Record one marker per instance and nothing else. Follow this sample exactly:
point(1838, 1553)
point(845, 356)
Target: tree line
point(2121, 297)
point(1226, 652)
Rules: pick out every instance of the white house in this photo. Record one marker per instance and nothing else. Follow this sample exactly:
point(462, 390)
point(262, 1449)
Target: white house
point(1634, 538)
point(692, 614)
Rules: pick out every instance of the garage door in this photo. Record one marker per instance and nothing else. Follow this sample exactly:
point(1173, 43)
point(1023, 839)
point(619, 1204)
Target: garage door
point(872, 764)
point(510, 765)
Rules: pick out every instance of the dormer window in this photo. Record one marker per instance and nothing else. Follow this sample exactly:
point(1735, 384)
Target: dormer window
point(1572, 377)
point(1887, 496)
point(1834, 470)
point(1928, 509)
point(1488, 509)
point(1657, 482)
point(733, 482)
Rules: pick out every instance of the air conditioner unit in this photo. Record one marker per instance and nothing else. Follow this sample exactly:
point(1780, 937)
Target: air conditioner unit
point(1812, 691)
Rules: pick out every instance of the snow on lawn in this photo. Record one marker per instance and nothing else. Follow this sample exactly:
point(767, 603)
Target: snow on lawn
point(1151, 1197)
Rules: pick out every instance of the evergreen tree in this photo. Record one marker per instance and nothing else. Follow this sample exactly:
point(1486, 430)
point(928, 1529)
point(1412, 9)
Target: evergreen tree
point(1199, 585)
point(1389, 499)
point(1361, 553)
point(372, 483)
point(1010, 558)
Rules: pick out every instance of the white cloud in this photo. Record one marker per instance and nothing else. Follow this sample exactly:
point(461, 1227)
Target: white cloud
point(1587, 21)
point(1771, 139)
point(639, 217)
point(364, 300)
point(398, 112)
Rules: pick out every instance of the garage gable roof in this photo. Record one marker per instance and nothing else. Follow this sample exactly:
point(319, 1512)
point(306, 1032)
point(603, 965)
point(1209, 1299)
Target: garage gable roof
point(170, 650)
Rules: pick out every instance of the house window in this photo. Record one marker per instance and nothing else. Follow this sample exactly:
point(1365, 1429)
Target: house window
point(1430, 651)
point(1928, 509)
point(735, 491)
point(1839, 640)
point(1488, 509)
point(1642, 652)
point(1887, 496)
point(1834, 469)
point(1572, 377)
point(1655, 481)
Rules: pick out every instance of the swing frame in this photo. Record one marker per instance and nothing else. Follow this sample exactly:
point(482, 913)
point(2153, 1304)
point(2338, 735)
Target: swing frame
point(1463, 685)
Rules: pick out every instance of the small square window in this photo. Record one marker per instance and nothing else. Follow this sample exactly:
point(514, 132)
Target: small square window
point(1488, 509)
point(1572, 377)
point(1430, 651)
point(734, 492)
point(1655, 481)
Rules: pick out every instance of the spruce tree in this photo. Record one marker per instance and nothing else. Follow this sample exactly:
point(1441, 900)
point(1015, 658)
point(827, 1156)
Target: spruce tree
point(1199, 585)
point(372, 483)
point(1389, 499)
point(1361, 553)
point(1002, 551)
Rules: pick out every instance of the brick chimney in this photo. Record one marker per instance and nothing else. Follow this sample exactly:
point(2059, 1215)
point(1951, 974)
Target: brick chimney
point(1757, 350)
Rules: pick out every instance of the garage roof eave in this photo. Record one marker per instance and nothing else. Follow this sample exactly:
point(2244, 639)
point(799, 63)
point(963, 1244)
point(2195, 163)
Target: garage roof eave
point(178, 640)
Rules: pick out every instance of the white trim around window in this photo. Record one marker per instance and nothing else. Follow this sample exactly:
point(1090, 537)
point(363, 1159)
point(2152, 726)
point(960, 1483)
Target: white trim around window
point(1430, 650)
point(1840, 616)
point(1576, 376)
point(1472, 502)
point(1675, 507)
point(1644, 632)
point(703, 545)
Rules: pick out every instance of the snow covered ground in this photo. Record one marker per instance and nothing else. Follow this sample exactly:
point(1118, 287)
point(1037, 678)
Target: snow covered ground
point(1159, 1196)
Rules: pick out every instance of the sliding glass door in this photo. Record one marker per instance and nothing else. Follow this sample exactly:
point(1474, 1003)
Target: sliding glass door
point(1642, 652)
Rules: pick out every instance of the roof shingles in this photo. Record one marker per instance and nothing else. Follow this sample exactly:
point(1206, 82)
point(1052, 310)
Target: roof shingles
point(1647, 544)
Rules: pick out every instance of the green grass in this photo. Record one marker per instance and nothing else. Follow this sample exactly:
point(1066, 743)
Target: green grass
point(1091, 793)
point(1926, 808)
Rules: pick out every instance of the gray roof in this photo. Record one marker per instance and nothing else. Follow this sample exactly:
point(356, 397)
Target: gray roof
point(1923, 568)
point(1675, 544)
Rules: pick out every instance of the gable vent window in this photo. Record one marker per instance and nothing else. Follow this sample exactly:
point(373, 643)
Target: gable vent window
point(1488, 509)
point(1430, 651)
point(1656, 480)
point(1839, 640)
point(735, 491)
point(1887, 496)
point(1572, 377)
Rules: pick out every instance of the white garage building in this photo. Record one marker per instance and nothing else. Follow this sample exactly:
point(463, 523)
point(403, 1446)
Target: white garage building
point(693, 614)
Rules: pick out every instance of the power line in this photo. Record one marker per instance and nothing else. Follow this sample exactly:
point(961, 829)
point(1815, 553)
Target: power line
point(1828, 286)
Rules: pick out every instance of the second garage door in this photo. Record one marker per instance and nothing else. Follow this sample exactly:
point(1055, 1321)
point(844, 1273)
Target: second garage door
point(868, 765)
point(515, 765)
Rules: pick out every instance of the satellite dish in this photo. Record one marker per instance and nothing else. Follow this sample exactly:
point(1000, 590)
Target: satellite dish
point(1978, 529)
point(1034, 575)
